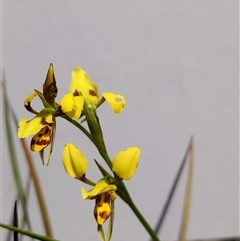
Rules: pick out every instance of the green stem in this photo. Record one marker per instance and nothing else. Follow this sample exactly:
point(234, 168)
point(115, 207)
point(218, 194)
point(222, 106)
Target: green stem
point(143, 221)
point(79, 126)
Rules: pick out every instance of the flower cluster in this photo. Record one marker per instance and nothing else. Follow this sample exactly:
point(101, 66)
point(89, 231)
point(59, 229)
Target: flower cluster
point(124, 165)
point(81, 101)
point(43, 125)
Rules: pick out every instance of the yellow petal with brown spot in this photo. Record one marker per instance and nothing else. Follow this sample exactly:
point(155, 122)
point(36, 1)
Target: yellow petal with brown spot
point(41, 140)
point(102, 210)
point(82, 85)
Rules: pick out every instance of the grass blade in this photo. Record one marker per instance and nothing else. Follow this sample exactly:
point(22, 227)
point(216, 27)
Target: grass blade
point(28, 233)
point(15, 221)
point(187, 198)
point(173, 188)
point(36, 183)
point(13, 158)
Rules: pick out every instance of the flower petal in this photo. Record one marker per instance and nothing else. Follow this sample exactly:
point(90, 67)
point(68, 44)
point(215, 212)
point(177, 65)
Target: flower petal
point(74, 161)
point(102, 210)
point(124, 164)
point(50, 87)
point(117, 102)
point(33, 126)
point(100, 187)
point(41, 140)
point(82, 85)
point(27, 102)
point(72, 105)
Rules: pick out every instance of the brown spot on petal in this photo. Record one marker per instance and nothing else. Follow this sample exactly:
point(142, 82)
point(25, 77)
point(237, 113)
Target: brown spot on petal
point(92, 93)
point(76, 93)
point(43, 122)
point(99, 205)
point(43, 142)
point(46, 131)
point(104, 215)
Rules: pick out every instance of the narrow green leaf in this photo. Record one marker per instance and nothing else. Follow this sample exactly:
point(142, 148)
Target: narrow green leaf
point(102, 170)
point(36, 183)
point(13, 157)
point(27, 233)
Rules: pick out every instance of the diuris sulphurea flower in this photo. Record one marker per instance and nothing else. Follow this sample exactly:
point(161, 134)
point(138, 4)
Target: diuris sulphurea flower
point(43, 125)
point(124, 166)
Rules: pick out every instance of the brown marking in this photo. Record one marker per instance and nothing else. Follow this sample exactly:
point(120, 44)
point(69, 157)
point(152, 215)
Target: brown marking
point(46, 131)
point(99, 205)
point(43, 122)
point(43, 142)
point(104, 215)
point(76, 93)
point(92, 93)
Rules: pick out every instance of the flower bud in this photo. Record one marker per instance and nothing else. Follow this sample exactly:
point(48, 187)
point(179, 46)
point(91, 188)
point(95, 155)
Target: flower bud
point(125, 163)
point(74, 161)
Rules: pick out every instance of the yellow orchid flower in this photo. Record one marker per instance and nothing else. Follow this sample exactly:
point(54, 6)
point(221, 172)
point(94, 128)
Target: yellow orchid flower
point(82, 85)
point(124, 165)
point(103, 193)
point(43, 125)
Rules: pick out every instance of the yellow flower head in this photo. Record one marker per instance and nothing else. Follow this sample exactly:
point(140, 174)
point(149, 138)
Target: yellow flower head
point(43, 125)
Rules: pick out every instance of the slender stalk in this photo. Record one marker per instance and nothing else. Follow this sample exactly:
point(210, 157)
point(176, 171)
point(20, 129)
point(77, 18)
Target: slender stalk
point(79, 126)
point(143, 221)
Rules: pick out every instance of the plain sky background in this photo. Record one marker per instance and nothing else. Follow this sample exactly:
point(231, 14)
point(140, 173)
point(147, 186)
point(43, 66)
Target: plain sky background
point(176, 63)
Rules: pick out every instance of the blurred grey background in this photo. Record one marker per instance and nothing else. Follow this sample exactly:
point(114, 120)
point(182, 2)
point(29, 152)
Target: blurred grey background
point(176, 63)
